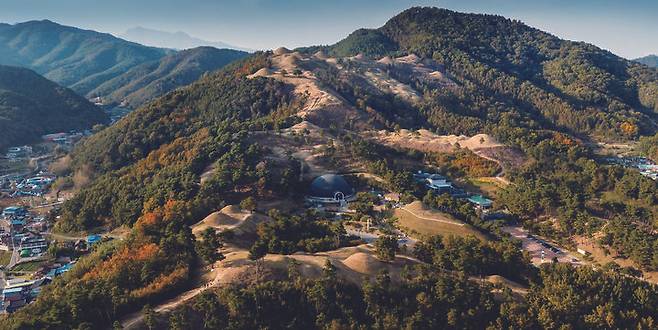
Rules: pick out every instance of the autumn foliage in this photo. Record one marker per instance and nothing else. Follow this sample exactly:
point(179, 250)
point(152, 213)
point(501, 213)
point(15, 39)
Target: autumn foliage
point(467, 162)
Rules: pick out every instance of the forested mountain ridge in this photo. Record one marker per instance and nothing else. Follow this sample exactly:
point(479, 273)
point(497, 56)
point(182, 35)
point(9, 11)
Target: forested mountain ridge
point(147, 81)
point(520, 70)
point(147, 172)
point(75, 58)
point(31, 106)
point(649, 60)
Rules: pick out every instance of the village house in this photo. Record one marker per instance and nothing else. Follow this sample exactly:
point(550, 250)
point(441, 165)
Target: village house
point(480, 201)
point(13, 212)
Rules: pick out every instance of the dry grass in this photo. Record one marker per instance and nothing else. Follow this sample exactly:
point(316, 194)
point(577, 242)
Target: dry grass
point(61, 166)
point(83, 176)
point(320, 105)
point(423, 222)
point(487, 185)
point(599, 256)
point(230, 217)
point(354, 264)
point(5, 256)
point(425, 140)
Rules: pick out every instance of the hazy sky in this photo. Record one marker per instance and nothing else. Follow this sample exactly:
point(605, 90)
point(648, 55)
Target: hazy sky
point(626, 27)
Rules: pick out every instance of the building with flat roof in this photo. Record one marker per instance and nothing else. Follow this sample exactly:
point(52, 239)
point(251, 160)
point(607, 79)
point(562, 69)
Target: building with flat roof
point(14, 211)
point(93, 239)
point(480, 201)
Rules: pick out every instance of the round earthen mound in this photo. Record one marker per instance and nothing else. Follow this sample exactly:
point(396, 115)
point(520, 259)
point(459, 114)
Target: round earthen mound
point(363, 263)
point(320, 55)
point(386, 60)
point(264, 72)
point(281, 50)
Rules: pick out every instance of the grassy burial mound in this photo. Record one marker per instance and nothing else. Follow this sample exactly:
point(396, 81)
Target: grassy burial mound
point(229, 218)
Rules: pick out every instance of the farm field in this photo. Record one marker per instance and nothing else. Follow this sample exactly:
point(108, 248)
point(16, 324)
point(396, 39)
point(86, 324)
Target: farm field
point(5, 256)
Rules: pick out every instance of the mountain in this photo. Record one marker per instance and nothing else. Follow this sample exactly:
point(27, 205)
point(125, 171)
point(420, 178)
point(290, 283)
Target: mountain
point(380, 104)
point(79, 59)
point(147, 81)
point(31, 106)
point(174, 40)
point(455, 74)
point(649, 60)
point(551, 82)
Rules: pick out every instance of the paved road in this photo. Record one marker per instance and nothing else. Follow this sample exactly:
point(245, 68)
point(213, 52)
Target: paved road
point(15, 257)
point(365, 236)
point(370, 238)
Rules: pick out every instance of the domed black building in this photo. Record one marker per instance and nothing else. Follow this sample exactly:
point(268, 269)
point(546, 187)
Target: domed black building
point(330, 188)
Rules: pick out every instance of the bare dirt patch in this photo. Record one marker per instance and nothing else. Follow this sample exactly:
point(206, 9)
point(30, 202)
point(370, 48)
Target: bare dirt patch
point(427, 141)
point(483, 145)
point(321, 106)
point(599, 255)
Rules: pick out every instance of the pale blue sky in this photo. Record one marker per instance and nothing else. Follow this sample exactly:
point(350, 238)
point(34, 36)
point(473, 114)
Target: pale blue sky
point(628, 28)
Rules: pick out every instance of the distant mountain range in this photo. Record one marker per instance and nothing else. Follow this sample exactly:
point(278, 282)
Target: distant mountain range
point(76, 58)
point(99, 64)
point(31, 106)
point(152, 79)
point(173, 40)
point(650, 60)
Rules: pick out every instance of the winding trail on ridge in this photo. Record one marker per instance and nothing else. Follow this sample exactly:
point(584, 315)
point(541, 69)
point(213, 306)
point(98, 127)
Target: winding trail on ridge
point(132, 321)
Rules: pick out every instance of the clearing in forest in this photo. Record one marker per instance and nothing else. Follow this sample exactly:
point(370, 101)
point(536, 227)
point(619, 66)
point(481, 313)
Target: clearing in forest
point(422, 221)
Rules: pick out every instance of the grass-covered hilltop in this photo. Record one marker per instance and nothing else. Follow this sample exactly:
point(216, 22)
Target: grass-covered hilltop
point(209, 185)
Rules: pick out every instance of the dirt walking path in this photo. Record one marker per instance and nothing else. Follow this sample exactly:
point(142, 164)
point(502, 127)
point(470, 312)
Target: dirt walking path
point(133, 320)
point(432, 219)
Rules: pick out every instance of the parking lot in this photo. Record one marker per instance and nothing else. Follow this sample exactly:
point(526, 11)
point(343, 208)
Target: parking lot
point(536, 246)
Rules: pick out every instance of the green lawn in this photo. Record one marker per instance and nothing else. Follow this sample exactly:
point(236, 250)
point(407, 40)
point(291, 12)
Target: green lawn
point(487, 186)
point(31, 266)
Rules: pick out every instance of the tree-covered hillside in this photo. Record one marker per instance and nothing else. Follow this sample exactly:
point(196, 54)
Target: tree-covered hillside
point(159, 151)
point(649, 60)
point(148, 169)
point(150, 80)
point(75, 58)
point(31, 106)
point(216, 142)
point(510, 72)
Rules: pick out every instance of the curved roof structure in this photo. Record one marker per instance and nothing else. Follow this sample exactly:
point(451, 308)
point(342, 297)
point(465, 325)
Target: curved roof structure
point(329, 185)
